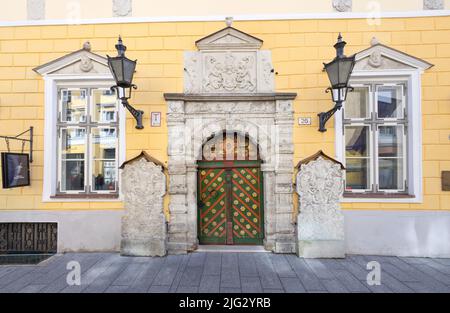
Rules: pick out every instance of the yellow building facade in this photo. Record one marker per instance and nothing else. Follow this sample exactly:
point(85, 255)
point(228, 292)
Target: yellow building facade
point(299, 47)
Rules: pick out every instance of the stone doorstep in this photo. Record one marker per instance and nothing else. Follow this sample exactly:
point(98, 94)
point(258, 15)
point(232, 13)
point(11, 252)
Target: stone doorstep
point(231, 248)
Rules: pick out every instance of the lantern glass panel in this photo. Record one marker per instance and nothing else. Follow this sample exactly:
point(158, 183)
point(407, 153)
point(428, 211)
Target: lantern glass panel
point(128, 71)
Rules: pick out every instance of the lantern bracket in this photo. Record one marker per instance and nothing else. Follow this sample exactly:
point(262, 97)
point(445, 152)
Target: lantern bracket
point(325, 116)
point(137, 114)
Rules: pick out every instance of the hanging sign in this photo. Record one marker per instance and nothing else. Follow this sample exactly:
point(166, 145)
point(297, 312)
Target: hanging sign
point(15, 169)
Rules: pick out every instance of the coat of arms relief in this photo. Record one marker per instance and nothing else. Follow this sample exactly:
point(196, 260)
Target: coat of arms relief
point(227, 72)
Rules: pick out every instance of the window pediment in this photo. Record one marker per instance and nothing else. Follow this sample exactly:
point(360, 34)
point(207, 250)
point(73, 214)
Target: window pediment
point(79, 62)
point(382, 57)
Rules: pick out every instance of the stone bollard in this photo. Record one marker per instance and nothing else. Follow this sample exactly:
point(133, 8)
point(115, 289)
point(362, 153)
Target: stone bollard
point(144, 228)
point(320, 222)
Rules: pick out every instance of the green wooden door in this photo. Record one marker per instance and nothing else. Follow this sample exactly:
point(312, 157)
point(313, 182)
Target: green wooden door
point(230, 203)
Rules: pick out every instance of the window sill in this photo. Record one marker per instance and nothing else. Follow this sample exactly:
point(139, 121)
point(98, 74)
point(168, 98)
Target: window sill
point(378, 195)
point(85, 197)
point(381, 198)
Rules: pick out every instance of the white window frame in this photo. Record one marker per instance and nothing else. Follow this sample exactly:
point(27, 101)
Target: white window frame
point(412, 78)
point(53, 82)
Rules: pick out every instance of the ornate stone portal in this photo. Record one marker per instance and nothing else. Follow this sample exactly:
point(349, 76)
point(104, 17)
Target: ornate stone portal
point(144, 231)
point(320, 184)
point(229, 86)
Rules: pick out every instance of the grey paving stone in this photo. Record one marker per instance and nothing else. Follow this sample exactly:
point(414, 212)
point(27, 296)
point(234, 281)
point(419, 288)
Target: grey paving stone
point(148, 273)
point(187, 289)
point(308, 279)
point(230, 290)
point(128, 276)
point(229, 277)
point(213, 264)
point(269, 278)
point(282, 266)
point(350, 282)
point(227, 273)
point(159, 289)
point(292, 285)
point(181, 269)
point(32, 288)
point(251, 284)
point(273, 291)
point(209, 284)
point(117, 289)
point(247, 264)
point(168, 271)
point(193, 272)
point(321, 271)
point(334, 286)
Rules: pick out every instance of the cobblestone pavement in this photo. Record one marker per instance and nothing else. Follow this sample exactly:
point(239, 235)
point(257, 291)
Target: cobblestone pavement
point(226, 272)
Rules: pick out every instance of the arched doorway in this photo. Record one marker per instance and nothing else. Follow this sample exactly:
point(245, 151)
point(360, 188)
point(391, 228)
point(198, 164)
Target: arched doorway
point(230, 192)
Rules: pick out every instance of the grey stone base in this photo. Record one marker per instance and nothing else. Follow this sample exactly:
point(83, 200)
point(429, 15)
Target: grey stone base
point(321, 249)
point(143, 247)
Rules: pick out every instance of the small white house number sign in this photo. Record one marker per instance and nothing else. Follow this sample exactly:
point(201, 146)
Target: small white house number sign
point(155, 119)
point(304, 121)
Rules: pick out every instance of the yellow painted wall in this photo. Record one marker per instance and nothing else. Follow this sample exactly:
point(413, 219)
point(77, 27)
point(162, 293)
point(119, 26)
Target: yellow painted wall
point(299, 47)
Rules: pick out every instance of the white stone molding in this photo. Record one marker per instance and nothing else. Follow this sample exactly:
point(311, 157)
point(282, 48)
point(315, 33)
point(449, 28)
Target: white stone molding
point(122, 8)
point(320, 222)
point(342, 5)
point(36, 9)
point(433, 4)
point(144, 231)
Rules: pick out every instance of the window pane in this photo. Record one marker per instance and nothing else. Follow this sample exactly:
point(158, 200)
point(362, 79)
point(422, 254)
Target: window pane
point(357, 141)
point(73, 105)
point(390, 141)
point(357, 174)
point(73, 143)
point(104, 106)
point(104, 143)
point(390, 174)
point(390, 102)
point(357, 103)
point(72, 176)
point(104, 175)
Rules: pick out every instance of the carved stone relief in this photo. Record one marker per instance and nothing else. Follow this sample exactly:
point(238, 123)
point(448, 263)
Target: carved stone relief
point(143, 224)
point(433, 4)
point(320, 184)
point(36, 9)
point(122, 7)
point(229, 72)
point(342, 5)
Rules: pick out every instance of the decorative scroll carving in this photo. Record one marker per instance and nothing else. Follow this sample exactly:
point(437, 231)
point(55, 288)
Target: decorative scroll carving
point(320, 184)
point(143, 224)
point(433, 4)
point(36, 9)
point(122, 7)
point(342, 5)
point(229, 72)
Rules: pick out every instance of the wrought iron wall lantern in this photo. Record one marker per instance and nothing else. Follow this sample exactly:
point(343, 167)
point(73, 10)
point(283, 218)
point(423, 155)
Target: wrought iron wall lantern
point(339, 71)
point(122, 70)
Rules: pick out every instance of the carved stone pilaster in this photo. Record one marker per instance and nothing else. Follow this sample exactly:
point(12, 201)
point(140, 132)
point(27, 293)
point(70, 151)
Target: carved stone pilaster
point(144, 230)
point(320, 223)
point(433, 4)
point(122, 8)
point(342, 5)
point(36, 9)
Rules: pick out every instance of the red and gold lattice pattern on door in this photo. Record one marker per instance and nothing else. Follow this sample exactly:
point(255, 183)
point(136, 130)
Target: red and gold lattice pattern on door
point(246, 205)
point(212, 206)
point(230, 203)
